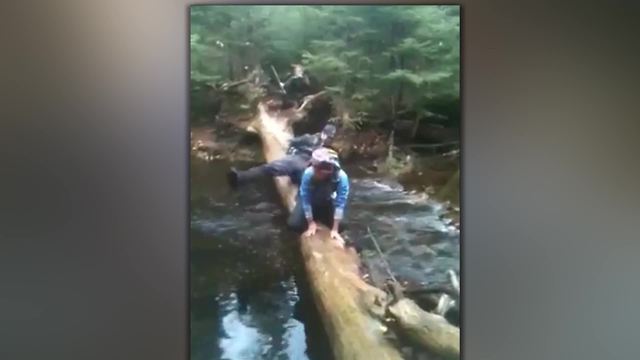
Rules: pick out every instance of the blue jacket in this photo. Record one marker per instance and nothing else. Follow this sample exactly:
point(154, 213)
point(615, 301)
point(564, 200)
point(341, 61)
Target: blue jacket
point(335, 188)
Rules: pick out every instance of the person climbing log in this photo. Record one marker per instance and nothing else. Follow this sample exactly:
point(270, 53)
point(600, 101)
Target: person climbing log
point(322, 197)
point(293, 164)
point(308, 66)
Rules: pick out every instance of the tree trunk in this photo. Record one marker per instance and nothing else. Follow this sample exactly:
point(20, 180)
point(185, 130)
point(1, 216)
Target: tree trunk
point(429, 330)
point(400, 94)
point(416, 124)
point(347, 305)
point(351, 309)
point(230, 67)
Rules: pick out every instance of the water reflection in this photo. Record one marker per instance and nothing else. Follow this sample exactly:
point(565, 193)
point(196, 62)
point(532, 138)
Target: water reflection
point(265, 329)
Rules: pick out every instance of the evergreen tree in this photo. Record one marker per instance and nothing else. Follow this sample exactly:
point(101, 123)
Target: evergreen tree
point(375, 61)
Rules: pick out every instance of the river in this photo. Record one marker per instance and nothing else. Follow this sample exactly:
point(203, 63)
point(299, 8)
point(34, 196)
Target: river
point(249, 298)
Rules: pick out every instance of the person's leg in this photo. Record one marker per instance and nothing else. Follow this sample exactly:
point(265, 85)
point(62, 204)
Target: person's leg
point(297, 165)
point(297, 221)
point(279, 167)
point(251, 174)
point(284, 166)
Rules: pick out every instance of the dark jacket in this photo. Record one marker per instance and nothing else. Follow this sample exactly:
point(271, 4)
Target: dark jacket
point(304, 144)
point(297, 85)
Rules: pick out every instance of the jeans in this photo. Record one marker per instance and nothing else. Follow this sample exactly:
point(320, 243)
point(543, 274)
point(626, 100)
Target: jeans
point(290, 165)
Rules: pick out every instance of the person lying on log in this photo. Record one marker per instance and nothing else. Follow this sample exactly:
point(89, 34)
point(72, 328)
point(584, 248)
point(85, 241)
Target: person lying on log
point(292, 165)
point(322, 197)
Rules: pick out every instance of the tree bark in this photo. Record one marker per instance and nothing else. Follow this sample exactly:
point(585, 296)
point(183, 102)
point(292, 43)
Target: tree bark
point(346, 303)
point(429, 330)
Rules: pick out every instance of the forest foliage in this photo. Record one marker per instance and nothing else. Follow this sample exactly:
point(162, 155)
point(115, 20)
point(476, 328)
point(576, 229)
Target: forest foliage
point(375, 61)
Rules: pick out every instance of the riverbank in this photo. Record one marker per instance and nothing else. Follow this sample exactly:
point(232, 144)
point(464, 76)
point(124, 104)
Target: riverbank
point(424, 173)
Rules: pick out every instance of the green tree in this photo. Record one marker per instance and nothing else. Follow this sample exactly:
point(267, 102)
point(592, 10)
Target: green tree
point(375, 61)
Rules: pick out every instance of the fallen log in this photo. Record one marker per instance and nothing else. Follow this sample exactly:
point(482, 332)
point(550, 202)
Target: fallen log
point(352, 310)
point(349, 307)
point(431, 331)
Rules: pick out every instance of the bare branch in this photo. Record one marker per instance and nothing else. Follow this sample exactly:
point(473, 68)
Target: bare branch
point(454, 280)
point(309, 99)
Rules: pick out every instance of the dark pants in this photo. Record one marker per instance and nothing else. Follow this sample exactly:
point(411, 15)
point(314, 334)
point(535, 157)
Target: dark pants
point(290, 165)
point(322, 213)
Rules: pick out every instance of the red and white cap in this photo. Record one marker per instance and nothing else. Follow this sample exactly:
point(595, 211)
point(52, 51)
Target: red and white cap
point(325, 156)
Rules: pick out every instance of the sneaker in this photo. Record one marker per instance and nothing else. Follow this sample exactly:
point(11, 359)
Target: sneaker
point(232, 178)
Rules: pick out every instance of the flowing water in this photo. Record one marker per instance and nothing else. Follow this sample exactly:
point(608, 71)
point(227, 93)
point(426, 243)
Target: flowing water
point(249, 298)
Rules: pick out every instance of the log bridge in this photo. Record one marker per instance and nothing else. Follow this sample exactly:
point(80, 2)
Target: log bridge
point(353, 312)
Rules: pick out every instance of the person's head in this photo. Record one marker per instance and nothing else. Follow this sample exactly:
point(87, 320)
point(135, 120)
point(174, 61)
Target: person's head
point(298, 70)
point(328, 133)
point(324, 162)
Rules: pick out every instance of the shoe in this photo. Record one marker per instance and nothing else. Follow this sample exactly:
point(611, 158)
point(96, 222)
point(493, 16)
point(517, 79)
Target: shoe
point(232, 178)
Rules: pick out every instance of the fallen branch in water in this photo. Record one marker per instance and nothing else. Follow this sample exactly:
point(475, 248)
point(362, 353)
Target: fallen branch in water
point(444, 304)
point(384, 260)
point(454, 281)
point(430, 330)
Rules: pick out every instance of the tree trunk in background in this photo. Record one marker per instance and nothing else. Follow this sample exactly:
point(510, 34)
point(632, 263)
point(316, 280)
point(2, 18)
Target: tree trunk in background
point(400, 66)
point(416, 124)
point(230, 67)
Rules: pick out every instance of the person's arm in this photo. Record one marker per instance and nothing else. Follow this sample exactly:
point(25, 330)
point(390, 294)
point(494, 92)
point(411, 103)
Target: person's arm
point(340, 202)
point(288, 81)
point(305, 194)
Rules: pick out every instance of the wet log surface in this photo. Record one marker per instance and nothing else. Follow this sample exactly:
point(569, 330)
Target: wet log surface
point(349, 307)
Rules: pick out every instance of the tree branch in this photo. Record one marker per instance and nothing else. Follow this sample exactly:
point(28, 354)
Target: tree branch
point(309, 99)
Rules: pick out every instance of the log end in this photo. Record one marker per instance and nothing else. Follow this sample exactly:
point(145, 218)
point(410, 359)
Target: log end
point(427, 329)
